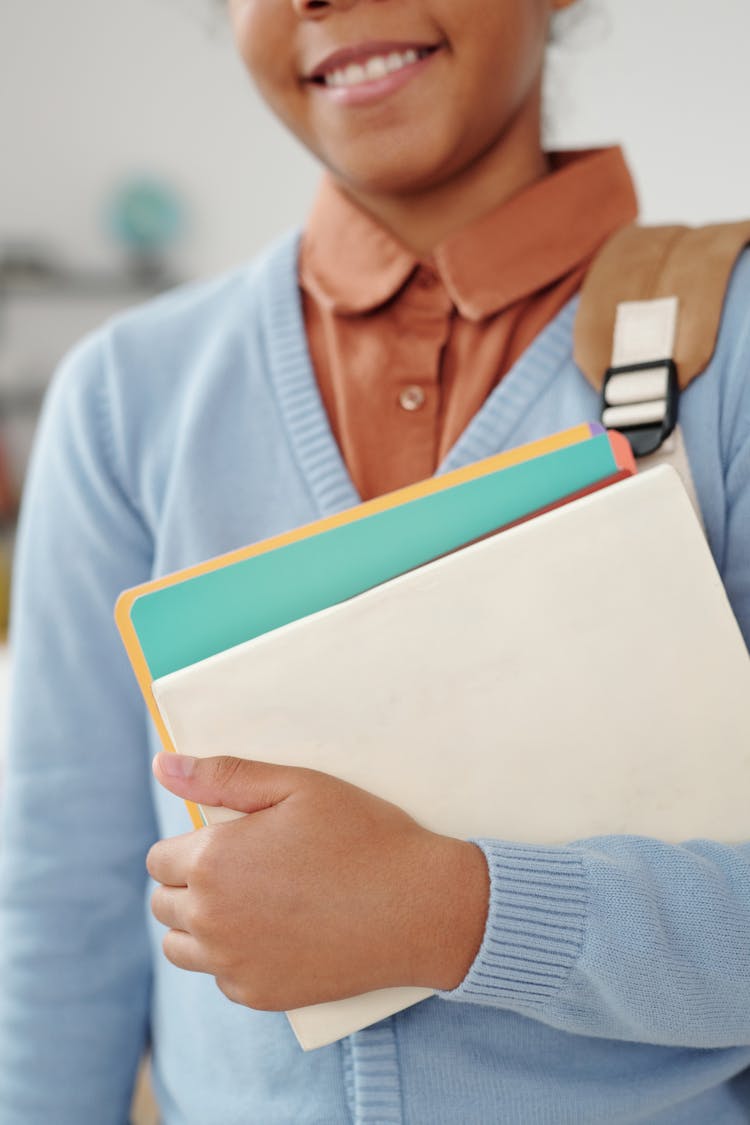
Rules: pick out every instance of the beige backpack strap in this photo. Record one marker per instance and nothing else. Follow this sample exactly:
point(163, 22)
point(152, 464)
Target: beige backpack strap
point(646, 263)
point(647, 325)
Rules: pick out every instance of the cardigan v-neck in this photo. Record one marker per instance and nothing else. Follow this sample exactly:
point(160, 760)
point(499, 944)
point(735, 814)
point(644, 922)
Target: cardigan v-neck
point(307, 422)
point(407, 349)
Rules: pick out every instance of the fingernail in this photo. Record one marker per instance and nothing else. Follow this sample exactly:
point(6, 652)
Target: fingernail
point(176, 765)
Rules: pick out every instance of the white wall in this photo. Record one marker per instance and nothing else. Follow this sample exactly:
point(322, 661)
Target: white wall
point(669, 78)
point(95, 90)
point(92, 90)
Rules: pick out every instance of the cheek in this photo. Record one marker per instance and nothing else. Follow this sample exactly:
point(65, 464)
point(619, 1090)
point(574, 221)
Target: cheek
point(264, 32)
point(500, 69)
point(503, 51)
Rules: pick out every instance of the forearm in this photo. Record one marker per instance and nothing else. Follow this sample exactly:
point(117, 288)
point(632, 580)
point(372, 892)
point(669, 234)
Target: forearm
point(620, 937)
point(448, 926)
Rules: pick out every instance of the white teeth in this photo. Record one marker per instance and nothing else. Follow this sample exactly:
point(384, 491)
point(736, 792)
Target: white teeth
point(377, 67)
point(354, 74)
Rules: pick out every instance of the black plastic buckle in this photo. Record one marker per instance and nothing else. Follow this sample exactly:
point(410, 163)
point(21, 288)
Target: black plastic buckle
point(648, 438)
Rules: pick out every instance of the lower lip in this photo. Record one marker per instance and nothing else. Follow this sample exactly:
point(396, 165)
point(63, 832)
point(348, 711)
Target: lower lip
point(365, 93)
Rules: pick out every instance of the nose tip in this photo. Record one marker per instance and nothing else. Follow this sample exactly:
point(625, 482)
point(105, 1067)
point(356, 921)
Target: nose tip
point(309, 7)
point(313, 8)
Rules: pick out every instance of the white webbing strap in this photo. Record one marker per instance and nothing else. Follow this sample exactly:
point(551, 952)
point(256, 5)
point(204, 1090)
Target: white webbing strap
point(645, 333)
point(645, 330)
point(673, 452)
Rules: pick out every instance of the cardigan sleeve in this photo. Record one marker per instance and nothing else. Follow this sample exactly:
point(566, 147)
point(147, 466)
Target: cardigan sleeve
point(622, 937)
point(627, 937)
point(78, 815)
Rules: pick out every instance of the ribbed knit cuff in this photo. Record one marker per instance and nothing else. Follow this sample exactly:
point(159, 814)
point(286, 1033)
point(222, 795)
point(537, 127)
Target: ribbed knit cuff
point(535, 926)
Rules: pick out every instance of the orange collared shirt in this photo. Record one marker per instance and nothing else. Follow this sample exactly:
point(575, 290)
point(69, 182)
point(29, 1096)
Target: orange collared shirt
point(406, 351)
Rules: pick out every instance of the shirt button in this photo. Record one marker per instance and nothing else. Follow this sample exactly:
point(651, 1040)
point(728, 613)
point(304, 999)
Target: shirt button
point(411, 398)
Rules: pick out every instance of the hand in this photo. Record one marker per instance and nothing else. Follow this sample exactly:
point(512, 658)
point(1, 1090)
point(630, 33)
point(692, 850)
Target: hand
point(323, 891)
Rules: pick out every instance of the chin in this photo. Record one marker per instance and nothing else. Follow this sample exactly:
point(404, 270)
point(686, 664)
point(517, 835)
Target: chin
point(392, 170)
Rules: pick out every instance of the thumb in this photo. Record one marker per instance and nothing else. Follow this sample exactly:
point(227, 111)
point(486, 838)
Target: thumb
point(235, 783)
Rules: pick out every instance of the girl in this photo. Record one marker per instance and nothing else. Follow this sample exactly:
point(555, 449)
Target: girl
point(423, 320)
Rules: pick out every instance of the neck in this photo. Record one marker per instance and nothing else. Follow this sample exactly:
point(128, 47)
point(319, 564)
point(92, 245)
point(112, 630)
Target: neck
point(422, 219)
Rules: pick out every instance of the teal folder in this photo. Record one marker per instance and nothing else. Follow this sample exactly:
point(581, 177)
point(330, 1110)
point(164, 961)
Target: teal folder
point(180, 624)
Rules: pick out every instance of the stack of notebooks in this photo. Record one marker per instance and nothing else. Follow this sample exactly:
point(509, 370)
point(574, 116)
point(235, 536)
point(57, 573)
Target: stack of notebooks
point(535, 648)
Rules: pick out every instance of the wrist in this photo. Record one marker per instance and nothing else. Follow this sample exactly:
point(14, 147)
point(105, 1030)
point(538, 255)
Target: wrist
point(451, 931)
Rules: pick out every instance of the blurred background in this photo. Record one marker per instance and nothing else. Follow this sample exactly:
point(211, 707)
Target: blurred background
point(135, 156)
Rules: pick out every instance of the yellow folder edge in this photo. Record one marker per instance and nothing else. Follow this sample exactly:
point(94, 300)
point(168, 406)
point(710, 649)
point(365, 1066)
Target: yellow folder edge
point(382, 503)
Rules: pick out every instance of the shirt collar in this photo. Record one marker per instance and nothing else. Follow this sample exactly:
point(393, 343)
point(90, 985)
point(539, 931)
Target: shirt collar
point(351, 264)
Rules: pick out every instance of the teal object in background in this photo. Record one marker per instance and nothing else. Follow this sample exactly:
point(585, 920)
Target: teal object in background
point(181, 624)
point(145, 215)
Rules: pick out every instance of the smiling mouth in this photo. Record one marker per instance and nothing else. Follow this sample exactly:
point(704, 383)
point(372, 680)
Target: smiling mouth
point(371, 69)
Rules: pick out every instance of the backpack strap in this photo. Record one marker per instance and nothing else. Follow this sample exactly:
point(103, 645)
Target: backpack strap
point(646, 263)
point(647, 325)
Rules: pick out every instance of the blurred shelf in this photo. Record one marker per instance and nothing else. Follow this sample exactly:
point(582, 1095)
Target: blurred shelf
point(28, 272)
point(46, 307)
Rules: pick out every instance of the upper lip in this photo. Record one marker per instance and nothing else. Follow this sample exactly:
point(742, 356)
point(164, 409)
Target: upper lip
point(359, 53)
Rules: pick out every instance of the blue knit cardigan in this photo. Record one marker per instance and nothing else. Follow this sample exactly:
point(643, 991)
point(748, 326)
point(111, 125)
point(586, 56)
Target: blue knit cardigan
point(613, 983)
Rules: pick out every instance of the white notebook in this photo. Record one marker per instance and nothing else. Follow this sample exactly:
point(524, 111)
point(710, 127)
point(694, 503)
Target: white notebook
point(578, 675)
